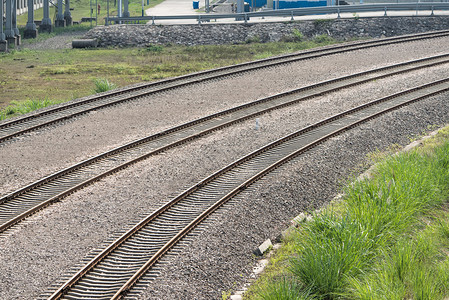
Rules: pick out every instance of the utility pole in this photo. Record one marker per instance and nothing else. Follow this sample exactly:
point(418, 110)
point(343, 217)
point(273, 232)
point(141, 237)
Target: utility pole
point(119, 9)
point(67, 14)
point(30, 29)
point(126, 9)
point(3, 42)
point(46, 25)
point(14, 23)
point(9, 32)
point(107, 17)
point(60, 22)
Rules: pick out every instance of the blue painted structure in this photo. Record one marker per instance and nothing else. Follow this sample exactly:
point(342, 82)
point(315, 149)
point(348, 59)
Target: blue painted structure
point(285, 4)
point(196, 4)
point(257, 3)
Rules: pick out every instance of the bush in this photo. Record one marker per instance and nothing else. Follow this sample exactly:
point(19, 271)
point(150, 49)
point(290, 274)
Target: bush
point(103, 85)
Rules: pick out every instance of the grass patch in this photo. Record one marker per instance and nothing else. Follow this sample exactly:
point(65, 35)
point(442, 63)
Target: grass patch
point(18, 108)
point(70, 73)
point(387, 239)
point(82, 8)
point(103, 85)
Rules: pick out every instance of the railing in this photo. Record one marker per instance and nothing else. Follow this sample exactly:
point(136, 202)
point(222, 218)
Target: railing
point(417, 6)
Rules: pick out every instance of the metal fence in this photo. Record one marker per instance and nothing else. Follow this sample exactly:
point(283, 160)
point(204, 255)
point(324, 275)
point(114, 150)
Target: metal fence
point(385, 7)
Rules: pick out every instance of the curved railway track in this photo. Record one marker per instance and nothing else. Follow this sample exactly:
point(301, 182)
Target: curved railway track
point(115, 270)
point(20, 204)
point(14, 128)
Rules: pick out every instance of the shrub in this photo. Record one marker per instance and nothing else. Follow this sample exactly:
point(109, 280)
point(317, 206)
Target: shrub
point(103, 85)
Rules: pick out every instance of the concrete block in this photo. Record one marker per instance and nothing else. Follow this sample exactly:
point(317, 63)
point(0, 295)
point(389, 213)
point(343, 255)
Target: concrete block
point(59, 23)
point(299, 219)
point(30, 34)
point(263, 248)
point(85, 43)
point(68, 21)
point(285, 234)
point(45, 28)
point(11, 40)
point(85, 19)
point(3, 46)
point(18, 40)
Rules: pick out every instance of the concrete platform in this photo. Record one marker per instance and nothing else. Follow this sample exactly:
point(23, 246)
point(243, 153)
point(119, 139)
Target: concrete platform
point(30, 34)
point(60, 23)
point(46, 28)
point(11, 40)
point(173, 8)
point(3, 46)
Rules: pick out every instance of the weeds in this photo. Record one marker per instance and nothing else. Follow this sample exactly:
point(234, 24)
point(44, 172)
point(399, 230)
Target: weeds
point(389, 242)
point(284, 289)
point(103, 85)
point(323, 39)
point(59, 73)
point(18, 108)
point(253, 39)
point(153, 48)
point(319, 22)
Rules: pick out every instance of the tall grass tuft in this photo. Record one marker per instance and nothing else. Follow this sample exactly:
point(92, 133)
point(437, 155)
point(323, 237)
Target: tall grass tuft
point(379, 247)
point(18, 108)
point(284, 289)
point(103, 85)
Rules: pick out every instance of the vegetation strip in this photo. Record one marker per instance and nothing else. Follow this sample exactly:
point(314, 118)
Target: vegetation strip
point(20, 204)
point(386, 239)
point(260, 162)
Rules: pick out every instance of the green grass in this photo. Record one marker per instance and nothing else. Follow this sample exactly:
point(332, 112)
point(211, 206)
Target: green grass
point(387, 239)
point(82, 8)
point(103, 85)
point(19, 108)
point(70, 73)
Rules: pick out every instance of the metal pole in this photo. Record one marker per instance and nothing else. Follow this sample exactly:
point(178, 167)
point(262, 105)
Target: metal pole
point(67, 14)
point(107, 17)
point(126, 9)
point(14, 19)
point(143, 3)
point(2, 34)
point(9, 32)
point(46, 20)
point(30, 28)
point(96, 13)
point(60, 22)
point(119, 9)
point(91, 13)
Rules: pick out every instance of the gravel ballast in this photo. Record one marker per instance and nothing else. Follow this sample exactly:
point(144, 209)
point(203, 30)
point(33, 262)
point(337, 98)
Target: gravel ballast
point(26, 159)
point(82, 221)
point(208, 266)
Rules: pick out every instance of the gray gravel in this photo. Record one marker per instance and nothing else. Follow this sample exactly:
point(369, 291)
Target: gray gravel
point(61, 41)
point(25, 160)
point(90, 216)
point(220, 258)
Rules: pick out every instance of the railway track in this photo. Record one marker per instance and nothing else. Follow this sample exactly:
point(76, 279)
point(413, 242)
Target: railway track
point(14, 128)
point(115, 270)
point(20, 204)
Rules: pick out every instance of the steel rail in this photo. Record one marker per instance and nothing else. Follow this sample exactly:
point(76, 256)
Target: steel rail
point(282, 151)
point(20, 204)
point(14, 128)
